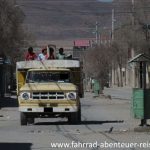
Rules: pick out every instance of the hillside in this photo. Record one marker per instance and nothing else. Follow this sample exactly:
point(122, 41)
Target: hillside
point(64, 19)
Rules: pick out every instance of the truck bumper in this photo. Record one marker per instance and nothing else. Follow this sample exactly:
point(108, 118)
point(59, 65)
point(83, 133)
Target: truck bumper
point(49, 109)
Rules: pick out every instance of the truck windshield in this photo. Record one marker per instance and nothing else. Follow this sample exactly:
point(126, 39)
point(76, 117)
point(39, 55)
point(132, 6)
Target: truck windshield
point(47, 76)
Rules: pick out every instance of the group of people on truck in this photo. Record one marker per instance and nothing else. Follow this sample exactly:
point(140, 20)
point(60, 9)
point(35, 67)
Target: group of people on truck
point(44, 55)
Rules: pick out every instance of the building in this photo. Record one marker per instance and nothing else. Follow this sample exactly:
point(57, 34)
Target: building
point(79, 46)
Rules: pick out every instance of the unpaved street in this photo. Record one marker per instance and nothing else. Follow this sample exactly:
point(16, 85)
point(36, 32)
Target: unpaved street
point(102, 120)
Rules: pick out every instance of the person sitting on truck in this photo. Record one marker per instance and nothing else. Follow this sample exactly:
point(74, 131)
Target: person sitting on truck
point(43, 55)
point(51, 53)
point(30, 55)
point(61, 54)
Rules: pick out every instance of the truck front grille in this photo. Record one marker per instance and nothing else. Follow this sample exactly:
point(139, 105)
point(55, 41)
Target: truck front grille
point(48, 95)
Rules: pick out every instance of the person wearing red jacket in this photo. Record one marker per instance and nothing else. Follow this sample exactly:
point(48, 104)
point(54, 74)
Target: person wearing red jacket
point(30, 55)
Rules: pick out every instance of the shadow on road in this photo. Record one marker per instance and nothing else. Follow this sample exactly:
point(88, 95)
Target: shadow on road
point(15, 146)
point(8, 102)
point(80, 123)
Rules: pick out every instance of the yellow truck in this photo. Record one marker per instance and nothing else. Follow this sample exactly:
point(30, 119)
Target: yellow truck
point(50, 88)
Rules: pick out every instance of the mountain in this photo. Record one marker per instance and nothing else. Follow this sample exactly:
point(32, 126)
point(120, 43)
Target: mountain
point(64, 19)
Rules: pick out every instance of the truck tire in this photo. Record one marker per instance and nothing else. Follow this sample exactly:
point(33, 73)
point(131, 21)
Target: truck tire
point(73, 118)
point(23, 119)
point(30, 120)
point(79, 114)
point(2, 95)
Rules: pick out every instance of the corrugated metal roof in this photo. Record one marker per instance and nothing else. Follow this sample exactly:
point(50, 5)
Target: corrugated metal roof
point(140, 58)
point(82, 43)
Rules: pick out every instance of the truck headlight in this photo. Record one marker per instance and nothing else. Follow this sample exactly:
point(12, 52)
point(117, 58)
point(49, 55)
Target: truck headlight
point(71, 95)
point(25, 95)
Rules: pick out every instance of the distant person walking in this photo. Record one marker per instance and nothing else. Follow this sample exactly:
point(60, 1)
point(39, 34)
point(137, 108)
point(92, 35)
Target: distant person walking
point(61, 54)
point(43, 56)
point(30, 55)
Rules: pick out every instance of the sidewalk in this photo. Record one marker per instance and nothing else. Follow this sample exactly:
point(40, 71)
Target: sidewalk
point(122, 93)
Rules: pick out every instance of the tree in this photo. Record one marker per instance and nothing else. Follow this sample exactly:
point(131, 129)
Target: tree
point(11, 29)
point(132, 20)
point(131, 17)
point(96, 63)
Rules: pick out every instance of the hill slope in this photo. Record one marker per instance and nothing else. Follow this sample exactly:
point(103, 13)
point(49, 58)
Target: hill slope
point(64, 19)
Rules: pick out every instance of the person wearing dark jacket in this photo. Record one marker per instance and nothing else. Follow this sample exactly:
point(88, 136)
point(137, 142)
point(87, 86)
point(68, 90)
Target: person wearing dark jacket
point(51, 53)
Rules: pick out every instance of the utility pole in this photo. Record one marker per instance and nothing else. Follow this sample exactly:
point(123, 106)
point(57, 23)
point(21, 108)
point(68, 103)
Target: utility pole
point(132, 48)
point(113, 72)
point(133, 9)
point(96, 33)
point(113, 22)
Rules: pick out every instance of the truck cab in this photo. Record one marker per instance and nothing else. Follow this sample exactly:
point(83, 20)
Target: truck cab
point(48, 89)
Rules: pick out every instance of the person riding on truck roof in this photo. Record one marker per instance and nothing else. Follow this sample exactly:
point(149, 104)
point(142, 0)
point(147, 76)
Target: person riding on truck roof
point(30, 55)
point(51, 53)
point(43, 55)
point(61, 54)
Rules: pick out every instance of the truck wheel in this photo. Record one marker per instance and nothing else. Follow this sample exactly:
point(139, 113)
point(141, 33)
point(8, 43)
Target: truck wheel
point(30, 120)
point(73, 118)
point(23, 119)
point(79, 114)
point(2, 95)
